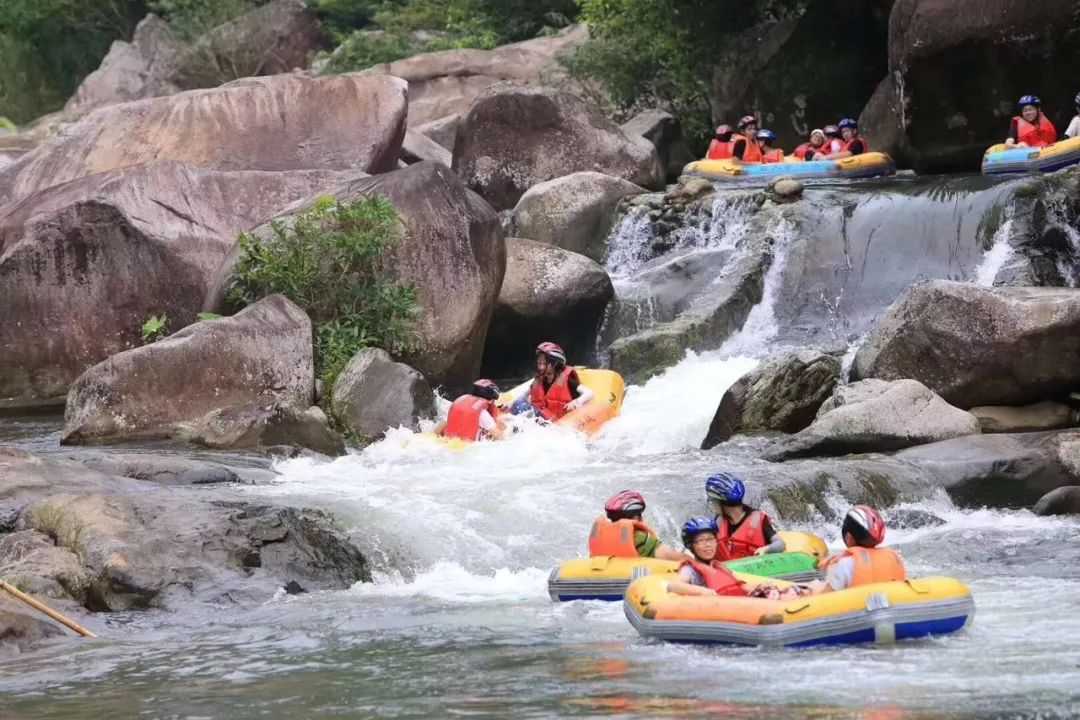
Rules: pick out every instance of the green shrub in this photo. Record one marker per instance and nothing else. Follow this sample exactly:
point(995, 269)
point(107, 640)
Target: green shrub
point(155, 328)
point(328, 260)
point(191, 19)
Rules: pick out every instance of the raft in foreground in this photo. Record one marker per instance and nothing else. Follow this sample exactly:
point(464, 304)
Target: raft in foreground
point(867, 165)
point(606, 578)
point(1003, 160)
point(881, 613)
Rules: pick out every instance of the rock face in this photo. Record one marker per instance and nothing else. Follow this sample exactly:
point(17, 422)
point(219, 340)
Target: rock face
point(1045, 415)
point(267, 426)
point(442, 131)
point(874, 415)
point(574, 212)
point(85, 264)
point(252, 124)
point(136, 543)
point(978, 346)
point(782, 394)
point(516, 136)
point(881, 120)
point(417, 148)
point(662, 129)
point(455, 254)
point(274, 38)
point(991, 49)
point(547, 294)
point(262, 353)
point(373, 394)
point(20, 630)
point(1063, 501)
point(446, 83)
point(30, 561)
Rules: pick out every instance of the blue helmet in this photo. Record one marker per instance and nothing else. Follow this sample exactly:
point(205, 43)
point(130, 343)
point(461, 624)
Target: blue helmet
point(696, 526)
point(726, 488)
point(847, 123)
point(766, 135)
point(1029, 100)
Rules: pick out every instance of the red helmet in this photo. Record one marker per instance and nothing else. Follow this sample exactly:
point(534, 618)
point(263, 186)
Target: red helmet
point(865, 525)
point(726, 129)
point(623, 505)
point(486, 389)
point(747, 120)
point(553, 352)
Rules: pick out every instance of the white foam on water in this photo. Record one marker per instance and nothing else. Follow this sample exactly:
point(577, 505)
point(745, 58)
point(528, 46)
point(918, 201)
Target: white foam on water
point(451, 582)
point(1000, 252)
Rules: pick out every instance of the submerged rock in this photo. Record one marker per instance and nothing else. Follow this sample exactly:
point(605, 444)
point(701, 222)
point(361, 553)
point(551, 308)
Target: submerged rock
point(516, 136)
point(261, 354)
point(574, 212)
point(548, 294)
point(262, 426)
point(1063, 501)
point(374, 394)
point(782, 394)
point(874, 415)
point(20, 630)
point(910, 519)
point(160, 469)
point(978, 346)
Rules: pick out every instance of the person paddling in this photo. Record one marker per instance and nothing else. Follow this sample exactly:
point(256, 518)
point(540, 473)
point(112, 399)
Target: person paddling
point(1031, 128)
point(742, 530)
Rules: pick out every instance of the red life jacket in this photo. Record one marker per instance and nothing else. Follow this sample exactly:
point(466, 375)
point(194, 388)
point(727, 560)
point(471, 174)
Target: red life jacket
point(717, 578)
point(1035, 136)
point(802, 150)
point(752, 153)
point(847, 145)
point(719, 150)
point(615, 539)
point(749, 536)
point(830, 146)
point(463, 420)
point(552, 403)
point(773, 156)
point(872, 565)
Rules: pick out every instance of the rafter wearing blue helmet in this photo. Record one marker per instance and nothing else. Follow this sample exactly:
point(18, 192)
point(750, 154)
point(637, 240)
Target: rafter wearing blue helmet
point(1031, 128)
point(742, 531)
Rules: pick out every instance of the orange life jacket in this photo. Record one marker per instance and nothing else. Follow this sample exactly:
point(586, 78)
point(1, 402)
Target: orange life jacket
point(872, 565)
point(615, 539)
point(752, 153)
point(847, 145)
point(773, 156)
point(552, 403)
point(717, 578)
point(806, 150)
point(1036, 136)
point(749, 536)
point(719, 150)
point(463, 420)
point(830, 146)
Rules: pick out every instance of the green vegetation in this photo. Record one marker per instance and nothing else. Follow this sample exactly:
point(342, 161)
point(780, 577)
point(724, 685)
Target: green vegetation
point(208, 317)
point(190, 19)
point(664, 53)
point(155, 328)
point(328, 260)
point(402, 28)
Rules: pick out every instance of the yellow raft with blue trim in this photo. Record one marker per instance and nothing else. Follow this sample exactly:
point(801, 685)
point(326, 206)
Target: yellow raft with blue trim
point(608, 393)
point(881, 613)
point(1005, 160)
point(866, 165)
point(606, 577)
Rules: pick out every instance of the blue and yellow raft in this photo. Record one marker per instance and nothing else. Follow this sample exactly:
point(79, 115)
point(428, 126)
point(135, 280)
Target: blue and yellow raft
point(1003, 160)
point(866, 165)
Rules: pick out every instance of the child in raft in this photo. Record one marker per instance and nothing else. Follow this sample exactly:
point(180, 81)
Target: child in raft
point(704, 575)
point(622, 531)
point(743, 530)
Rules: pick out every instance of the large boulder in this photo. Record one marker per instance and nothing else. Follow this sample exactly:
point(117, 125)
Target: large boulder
point(446, 83)
point(267, 425)
point(961, 65)
point(263, 353)
point(454, 252)
point(264, 123)
point(1062, 501)
point(442, 130)
point(574, 212)
point(662, 129)
point(547, 294)
point(782, 394)
point(374, 394)
point(978, 346)
point(874, 415)
point(516, 136)
point(86, 263)
point(30, 560)
point(880, 121)
point(418, 147)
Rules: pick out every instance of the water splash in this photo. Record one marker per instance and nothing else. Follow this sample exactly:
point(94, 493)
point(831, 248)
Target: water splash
point(1000, 252)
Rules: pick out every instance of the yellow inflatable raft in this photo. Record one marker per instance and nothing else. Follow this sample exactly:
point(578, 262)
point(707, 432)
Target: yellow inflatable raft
point(608, 389)
point(882, 612)
point(871, 164)
point(606, 578)
point(1005, 160)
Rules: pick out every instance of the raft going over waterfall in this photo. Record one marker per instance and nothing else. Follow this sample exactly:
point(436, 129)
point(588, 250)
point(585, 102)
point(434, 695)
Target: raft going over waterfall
point(606, 578)
point(866, 165)
point(1004, 160)
point(881, 612)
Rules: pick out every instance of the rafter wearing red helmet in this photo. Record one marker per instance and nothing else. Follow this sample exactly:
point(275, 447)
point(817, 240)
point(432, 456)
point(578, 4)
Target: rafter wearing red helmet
point(556, 390)
point(863, 562)
point(622, 532)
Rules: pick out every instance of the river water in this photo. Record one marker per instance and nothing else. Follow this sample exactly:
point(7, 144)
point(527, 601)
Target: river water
point(458, 622)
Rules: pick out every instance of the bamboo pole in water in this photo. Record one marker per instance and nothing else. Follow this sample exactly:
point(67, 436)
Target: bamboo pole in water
point(42, 607)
